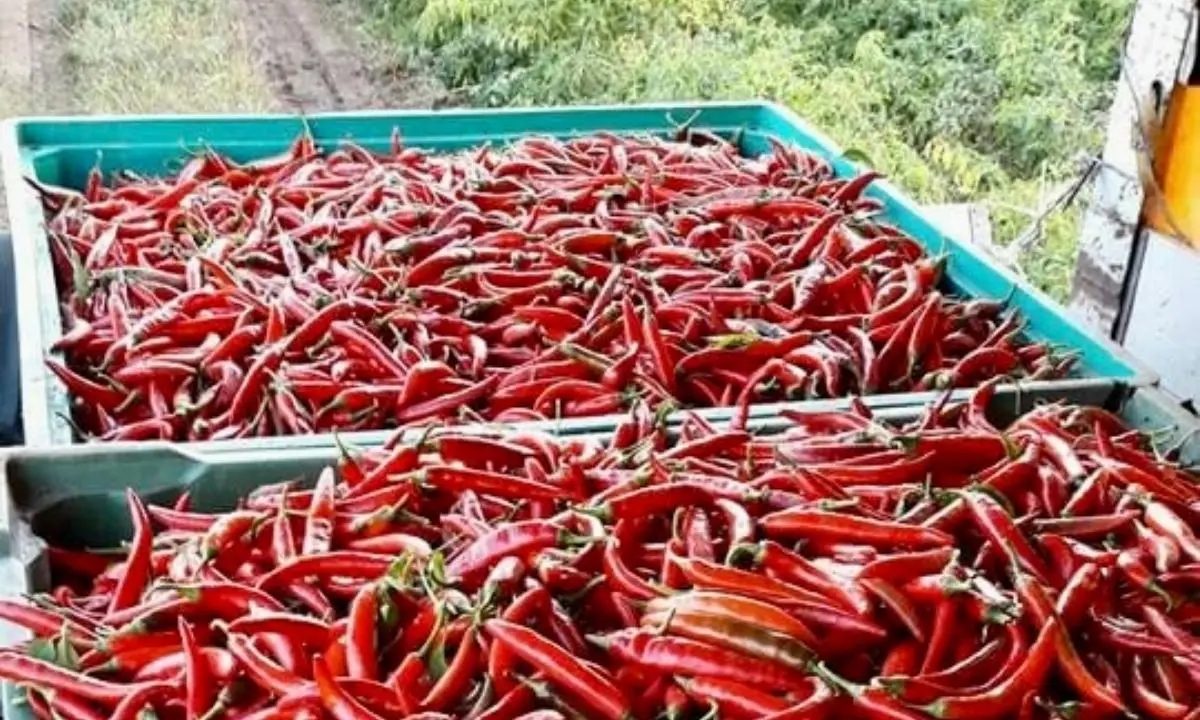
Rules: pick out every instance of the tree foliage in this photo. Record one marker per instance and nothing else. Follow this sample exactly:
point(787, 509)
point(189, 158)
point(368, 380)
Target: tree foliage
point(982, 100)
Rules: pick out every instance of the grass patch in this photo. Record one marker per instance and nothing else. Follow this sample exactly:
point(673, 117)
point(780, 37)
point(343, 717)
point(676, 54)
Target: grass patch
point(159, 56)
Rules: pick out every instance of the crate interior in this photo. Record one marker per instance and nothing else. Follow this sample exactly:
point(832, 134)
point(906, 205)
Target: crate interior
point(62, 152)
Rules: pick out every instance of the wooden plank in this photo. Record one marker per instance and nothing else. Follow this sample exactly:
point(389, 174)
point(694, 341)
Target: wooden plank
point(1155, 52)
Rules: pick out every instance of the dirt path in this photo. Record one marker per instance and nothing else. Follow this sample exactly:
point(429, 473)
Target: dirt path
point(25, 28)
point(315, 59)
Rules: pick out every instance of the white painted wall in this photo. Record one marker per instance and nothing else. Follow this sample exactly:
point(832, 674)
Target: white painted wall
point(1164, 322)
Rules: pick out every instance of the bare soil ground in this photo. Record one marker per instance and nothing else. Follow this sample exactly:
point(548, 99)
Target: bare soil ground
point(315, 58)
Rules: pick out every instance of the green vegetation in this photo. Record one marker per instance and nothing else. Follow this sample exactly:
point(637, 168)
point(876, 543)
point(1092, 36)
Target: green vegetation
point(983, 100)
point(142, 56)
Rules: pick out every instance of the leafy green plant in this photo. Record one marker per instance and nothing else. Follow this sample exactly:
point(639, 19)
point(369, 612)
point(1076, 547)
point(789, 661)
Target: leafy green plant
point(981, 100)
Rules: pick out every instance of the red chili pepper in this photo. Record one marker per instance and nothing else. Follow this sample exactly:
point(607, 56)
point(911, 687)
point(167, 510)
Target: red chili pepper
point(1161, 518)
point(137, 567)
point(87, 391)
point(562, 669)
point(199, 688)
point(340, 704)
point(333, 564)
point(1000, 529)
point(361, 632)
point(454, 683)
point(736, 607)
point(690, 657)
point(1006, 697)
point(458, 479)
point(1076, 673)
point(514, 539)
point(318, 526)
point(18, 668)
point(825, 525)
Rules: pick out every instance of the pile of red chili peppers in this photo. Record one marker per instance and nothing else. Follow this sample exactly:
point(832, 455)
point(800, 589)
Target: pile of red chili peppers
point(839, 567)
point(353, 290)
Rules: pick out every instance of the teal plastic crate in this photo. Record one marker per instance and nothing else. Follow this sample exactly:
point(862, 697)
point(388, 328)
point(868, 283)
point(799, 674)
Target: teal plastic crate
point(62, 150)
point(75, 496)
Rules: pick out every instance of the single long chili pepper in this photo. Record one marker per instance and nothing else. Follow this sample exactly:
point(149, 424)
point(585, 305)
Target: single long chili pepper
point(20, 669)
point(510, 705)
point(199, 690)
point(729, 442)
point(401, 459)
point(86, 390)
point(228, 530)
point(65, 705)
point(731, 633)
point(1170, 630)
point(1118, 637)
point(1003, 699)
point(654, 500)
point(318, 525)
point(1000, 529)
point(711, 576)
point(340, 704)
point(137, 567)
point(1038, 603)
point(899, 604)
point(1152, 703)
point(902, 567)
point(263, 671)
point(736, 607)
point(969, 669)
point(1129, 562)
point(1163, 519)
point(941, 636)
point(660, 355)
point(136, 700)
point(455, 681)
point(798, 570)
point(1085, 526)
point(227, 598)
point(482, 452)
point(446, 403)
point(457, 479)
point(690, 657)
point(624, 579)
point(825, 525)
point(734, 700)
point(500, 657)
point(361, 634)
point(338, 563)
point(301, 628)
point(562, 669)
point(814, 706)
point(513, 539)
point(409, 682)
point(45, 623)
point(173, 519)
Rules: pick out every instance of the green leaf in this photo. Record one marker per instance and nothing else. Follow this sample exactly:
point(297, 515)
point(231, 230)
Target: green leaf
point(436, 661)
point(857, 156)
point(436, 568)
point(43, 649)
point(67, 657)
point(401, 569)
